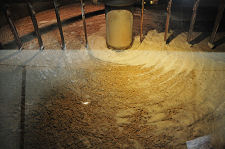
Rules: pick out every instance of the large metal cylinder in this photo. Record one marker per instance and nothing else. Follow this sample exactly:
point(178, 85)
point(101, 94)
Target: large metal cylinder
point(119, 23)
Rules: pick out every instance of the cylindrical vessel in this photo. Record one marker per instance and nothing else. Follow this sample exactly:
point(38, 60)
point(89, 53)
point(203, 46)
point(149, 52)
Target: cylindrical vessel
point(119, 23)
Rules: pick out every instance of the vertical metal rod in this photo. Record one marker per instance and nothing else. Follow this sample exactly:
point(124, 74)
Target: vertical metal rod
point(34, 21)
point(196, 4)
point(84, 22)
point(217, 24)
point(22, 107)
point(13, 28)
point(59, 23)
point(1, 47)
point(168, 19)
point(142, 20)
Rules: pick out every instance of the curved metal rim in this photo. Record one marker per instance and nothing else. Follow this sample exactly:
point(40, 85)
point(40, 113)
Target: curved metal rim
point(120, 3)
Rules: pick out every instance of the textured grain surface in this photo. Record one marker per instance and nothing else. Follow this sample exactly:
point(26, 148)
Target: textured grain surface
point(74, 100)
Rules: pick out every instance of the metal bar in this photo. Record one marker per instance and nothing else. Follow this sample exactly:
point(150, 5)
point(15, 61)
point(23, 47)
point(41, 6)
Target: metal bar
point(196, 4)
point(217, 24)
point(22, 107)
point(1, 47)
point(59, 23)
point(168, 19)
point(13, 28)
point(142, 20)
point(84, 22)
point(34, 21)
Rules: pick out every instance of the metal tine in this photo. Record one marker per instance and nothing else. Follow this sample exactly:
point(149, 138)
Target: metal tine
point(1, 47)
point(84, 22)
point(12, 27)
point(168, 19)
point(56, 6)
point(193, 20)
point(217, 24)
point(142, 20)
point(34, 21)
